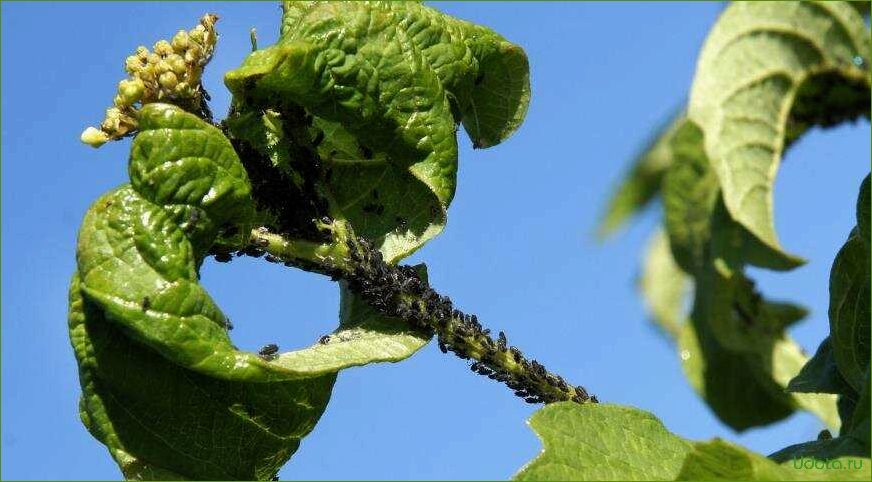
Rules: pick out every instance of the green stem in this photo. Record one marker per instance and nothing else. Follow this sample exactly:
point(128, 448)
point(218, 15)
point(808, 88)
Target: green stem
point(398, 291)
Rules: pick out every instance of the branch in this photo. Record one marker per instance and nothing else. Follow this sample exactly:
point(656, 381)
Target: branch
point(398, 291)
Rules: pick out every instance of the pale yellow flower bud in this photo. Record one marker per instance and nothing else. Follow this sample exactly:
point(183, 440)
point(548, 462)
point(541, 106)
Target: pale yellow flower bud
point(162, 66)
point(177, 64)
point(183, 90)
point(132, 64)
point(180, 41)
point(142, 53)
point(94, 137)
point(147, 73)
point(193, 54)
point(168, 80)
point(131, 90)
point(163, 48)
point(198, 34)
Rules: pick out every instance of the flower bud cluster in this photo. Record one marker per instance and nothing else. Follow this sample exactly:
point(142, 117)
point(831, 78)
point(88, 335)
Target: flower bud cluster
point(170, 72)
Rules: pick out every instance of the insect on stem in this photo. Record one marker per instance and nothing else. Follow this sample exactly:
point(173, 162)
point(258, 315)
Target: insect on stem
point(399, 292)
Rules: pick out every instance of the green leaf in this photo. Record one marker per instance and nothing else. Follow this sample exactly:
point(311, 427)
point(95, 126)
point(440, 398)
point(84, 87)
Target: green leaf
point(602, 442)
point(860, 421)
point(162, 421)
point(731, 383)
point(735, 352)
point(641, 183)
point(820, 374)
point(863, 208)
point(387, 84)
point(384, 202)
point(853, 439)
point(690, 191)
point(364, 336)
point(849, 310)
point(663, 285)
point(767, 72)
point(721, 460)
point(732, 380)
point(158, 369)
point(611, 442)
point(187, 166)
point(485, 77)
point(694, 217)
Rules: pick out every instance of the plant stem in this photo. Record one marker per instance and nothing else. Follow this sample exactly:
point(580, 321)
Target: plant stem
point(398, 291)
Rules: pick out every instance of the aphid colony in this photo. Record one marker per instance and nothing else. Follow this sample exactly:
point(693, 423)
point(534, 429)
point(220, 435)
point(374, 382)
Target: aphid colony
point(171, 71)
point(399, 292)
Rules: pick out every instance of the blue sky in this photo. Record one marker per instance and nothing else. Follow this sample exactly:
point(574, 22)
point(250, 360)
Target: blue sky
point(518, 250)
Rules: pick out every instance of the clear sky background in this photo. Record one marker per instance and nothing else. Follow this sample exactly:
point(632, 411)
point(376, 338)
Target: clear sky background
point(518, 250)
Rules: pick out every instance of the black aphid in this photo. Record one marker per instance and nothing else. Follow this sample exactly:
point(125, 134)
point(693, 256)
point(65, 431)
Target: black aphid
point(268, 352)
point(319, 137)
point(229, 230)
point(365, 152)
point(251, 251)
point(324, 339)
point(272, 259)
point(223, 257)
point(146, 303)
point(502, 341)
point(228, 325)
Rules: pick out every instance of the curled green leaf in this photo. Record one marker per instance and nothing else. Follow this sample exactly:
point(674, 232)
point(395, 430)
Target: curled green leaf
point(734, 349)
point(162, 421)
point(387, 84)
point(157, 366)
point(849, 309)
point(767, 72)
